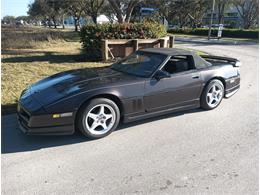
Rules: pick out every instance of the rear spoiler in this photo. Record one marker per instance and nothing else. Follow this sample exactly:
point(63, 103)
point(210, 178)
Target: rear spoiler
point(233, 61)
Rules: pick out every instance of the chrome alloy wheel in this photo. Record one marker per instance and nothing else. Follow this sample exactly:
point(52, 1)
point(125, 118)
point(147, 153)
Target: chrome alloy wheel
point(100, 119)
point(214, 95)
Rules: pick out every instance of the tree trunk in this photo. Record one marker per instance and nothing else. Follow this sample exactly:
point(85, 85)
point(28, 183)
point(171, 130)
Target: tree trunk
point(63, 25)
point(181, 23)
point(247, 24)
point(54, 22)
point(49, 23)
point(117, 10)
point(130, 9)
point(128, 15)
point(221, 10)
point(94, 18)
point(45, 23)
point(79, 25)
point(76, 24)
point(221, 19)
point(120, 18)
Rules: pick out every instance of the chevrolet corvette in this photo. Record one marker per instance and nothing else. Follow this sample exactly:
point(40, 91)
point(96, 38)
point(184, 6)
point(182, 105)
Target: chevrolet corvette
point(147, 83)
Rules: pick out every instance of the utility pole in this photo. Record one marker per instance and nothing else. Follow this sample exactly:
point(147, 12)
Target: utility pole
point(211, 18)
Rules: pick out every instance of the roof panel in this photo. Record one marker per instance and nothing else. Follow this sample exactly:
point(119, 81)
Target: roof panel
point(168, 51)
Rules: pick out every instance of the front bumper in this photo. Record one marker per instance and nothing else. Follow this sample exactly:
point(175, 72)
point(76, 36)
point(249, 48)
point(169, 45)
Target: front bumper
point(44, 124)
point(232, 91)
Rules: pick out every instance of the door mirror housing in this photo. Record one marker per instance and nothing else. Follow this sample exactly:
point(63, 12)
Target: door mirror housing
point(160, 74)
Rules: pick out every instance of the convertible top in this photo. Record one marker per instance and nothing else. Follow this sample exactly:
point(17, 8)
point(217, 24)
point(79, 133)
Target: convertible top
point(168, 51)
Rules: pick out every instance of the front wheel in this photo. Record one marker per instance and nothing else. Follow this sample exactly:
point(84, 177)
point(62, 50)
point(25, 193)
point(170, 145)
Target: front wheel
point(212, 95)
point(99, 118)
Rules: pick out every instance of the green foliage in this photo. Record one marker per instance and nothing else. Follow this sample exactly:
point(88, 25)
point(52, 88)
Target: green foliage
point(91, 35)
point(233, 33)
point(8, 19)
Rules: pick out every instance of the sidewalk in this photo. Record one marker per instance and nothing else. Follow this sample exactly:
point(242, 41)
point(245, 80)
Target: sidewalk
point(222, 41)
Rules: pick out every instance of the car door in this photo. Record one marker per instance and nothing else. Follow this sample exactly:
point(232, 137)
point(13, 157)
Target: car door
point(181, 89)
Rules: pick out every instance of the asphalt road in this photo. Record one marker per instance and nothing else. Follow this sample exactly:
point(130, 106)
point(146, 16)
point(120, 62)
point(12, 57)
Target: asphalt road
point(196, 152)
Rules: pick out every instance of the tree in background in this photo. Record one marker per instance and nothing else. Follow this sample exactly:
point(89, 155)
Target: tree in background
point(93, 8)
point(248, 10)
point(180, 10)
point(54, 11)
point(38, 10)
point(8, 20)
point(123, 9)
point(162, 6)
point(75, 8)
point(221, 6)
point(185, 13)
point(23, 18)
point(198, 10)
point(108, 12)
point(48, 10)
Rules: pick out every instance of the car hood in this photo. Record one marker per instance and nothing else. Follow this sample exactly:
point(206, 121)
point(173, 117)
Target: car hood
point(72, 82)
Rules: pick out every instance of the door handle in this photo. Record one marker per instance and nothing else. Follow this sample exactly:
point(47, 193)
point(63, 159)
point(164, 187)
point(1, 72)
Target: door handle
point(195, 77)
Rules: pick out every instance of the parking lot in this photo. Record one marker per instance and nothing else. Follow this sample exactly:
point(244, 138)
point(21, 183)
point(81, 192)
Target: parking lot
point(195, 152)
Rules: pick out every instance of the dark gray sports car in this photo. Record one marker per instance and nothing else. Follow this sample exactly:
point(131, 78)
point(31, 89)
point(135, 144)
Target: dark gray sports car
point(147, 83)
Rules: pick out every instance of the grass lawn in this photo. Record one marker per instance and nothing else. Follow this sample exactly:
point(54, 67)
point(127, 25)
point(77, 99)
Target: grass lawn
point(30, 54)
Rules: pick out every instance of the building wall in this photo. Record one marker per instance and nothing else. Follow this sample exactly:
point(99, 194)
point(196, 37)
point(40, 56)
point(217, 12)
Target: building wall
point(231, 18)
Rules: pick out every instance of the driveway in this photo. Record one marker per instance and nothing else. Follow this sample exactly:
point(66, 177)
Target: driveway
point(196, 152)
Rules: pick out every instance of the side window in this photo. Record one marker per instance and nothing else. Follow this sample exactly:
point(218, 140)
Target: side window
point(201, 63)
point(178, 64)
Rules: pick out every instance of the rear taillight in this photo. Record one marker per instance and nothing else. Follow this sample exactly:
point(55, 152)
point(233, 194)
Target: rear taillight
point(238, 71)
point(237, 64)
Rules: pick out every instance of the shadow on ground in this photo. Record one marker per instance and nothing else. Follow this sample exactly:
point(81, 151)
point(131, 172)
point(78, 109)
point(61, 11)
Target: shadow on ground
point(13, 140)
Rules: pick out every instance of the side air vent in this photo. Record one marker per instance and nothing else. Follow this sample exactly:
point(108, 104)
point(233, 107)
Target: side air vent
point(137, 104)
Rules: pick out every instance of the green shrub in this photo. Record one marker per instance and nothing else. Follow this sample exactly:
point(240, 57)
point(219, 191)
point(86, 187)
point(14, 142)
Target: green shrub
point(233, 33)
point(91, 35)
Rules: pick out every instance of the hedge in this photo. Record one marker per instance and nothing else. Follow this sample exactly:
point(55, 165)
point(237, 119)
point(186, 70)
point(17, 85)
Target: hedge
point(91, 35)
point(233, 33)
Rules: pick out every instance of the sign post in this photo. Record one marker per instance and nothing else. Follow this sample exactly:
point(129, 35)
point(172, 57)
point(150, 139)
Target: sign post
point(220, 28)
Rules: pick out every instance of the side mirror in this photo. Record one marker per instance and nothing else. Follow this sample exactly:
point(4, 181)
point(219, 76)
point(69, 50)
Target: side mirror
point(160, 74)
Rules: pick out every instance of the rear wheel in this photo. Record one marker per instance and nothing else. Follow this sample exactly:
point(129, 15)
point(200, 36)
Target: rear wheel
point(99, 118)
point(212, 95)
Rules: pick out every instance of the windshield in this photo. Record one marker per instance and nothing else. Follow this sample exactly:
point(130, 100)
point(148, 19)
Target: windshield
point(140, 63)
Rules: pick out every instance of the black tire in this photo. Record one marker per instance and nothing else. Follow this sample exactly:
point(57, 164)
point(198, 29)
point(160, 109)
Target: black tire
point(203, 99)
point(82, 117)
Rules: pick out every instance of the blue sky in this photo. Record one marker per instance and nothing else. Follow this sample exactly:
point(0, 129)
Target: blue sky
point(14, 7)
